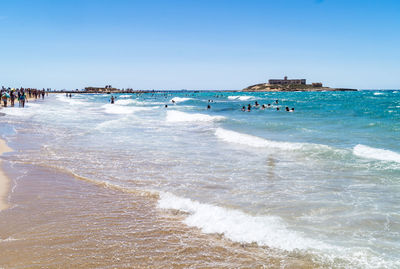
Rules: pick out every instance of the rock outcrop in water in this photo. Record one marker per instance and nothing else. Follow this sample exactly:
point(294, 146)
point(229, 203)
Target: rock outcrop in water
point(265, 87)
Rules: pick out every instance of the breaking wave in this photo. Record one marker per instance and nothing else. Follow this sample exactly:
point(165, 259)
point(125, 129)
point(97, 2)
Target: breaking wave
point(258, 142)
point(376, 154)
point(180, 99)
point(178, 116)
point(241, 98)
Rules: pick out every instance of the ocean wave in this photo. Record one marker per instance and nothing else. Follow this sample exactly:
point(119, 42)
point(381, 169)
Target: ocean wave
point(241, 98)
point(125, 102)
point(70, 101)
point(122, 110)
point(268, 231)
point(180, 99)
point(258, 142)
point(125, 96)
point(378, 93)
point(178, 116)
point(376, 154)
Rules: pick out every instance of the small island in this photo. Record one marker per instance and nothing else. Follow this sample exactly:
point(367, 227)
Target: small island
point(291, 85)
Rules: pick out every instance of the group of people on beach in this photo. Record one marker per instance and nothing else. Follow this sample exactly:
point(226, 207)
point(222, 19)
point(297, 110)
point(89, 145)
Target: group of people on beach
point(21, 95)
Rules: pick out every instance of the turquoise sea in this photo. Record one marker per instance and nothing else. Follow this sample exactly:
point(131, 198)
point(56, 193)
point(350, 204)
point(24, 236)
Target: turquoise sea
point(323, 180)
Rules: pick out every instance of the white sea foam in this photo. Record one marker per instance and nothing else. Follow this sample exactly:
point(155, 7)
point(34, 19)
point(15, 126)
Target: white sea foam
point(378, 93)
point(376, 154)
point(238, 226)
point(125, 101)
point(180, 99)
point(125, 96)
point(70, 101)
point(178, 116)
point(241, 98)
point(258, 142)
point(120, 109)
point(270, 231)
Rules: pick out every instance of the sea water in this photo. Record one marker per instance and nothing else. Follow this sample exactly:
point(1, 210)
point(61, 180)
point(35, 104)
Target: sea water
point(323, 180)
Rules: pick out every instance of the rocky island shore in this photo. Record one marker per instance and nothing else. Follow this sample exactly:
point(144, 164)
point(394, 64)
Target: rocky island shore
point(265, 87)
point(291, 85)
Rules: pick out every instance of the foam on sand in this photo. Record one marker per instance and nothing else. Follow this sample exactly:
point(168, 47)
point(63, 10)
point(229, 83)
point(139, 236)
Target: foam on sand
point(178, 116)
point(236, 225)
point(4, 181)
point(376, 154)
point(269, 231)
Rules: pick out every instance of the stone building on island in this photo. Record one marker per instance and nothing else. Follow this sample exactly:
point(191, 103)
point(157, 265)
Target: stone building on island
point(286, 81)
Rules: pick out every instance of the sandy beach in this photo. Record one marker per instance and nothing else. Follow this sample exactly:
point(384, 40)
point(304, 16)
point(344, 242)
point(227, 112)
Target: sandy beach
point(4, 181)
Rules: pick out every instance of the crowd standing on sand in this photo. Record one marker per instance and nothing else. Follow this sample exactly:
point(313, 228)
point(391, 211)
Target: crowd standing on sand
point(10, 95)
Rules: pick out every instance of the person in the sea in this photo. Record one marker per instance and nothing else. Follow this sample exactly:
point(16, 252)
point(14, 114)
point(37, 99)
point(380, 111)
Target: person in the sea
point(208, 106)
point(276, 101)
point(248, 107)
point(22, 98)
point(256, 104)
point(292, 110)
point(166, 106)
point(243, 108)
point(12, 97)
point(112, 100)
point(263, 107)
point(287, 109)
point(4, 97)
point(277, 108)
point(70, 95)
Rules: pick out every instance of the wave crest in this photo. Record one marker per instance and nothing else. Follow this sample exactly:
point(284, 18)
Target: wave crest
point(178, 116)
point(376, 154)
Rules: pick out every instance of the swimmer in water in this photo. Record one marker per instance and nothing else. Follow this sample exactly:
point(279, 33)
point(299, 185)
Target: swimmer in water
point(277, 108)
point(269, 105)
point(248, 107)
point(256, 104)
point(287, 108)
point(292, 110)
point(112, 100)
point(166, 106)
point(276, 101)
point(208, 106)
point(173, 101)
point(263, 107)
point(243, 108)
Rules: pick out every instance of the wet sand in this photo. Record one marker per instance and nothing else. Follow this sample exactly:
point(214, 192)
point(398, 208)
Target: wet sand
point(59, 221)
point(4, 181)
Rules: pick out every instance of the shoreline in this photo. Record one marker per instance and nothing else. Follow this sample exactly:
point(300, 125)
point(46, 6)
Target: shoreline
point(4, 180)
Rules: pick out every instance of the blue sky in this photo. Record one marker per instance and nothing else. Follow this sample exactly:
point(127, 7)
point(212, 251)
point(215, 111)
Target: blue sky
point(203, 44)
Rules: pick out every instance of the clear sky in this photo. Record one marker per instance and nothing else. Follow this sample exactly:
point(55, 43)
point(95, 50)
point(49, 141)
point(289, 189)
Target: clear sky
point(202, 44)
